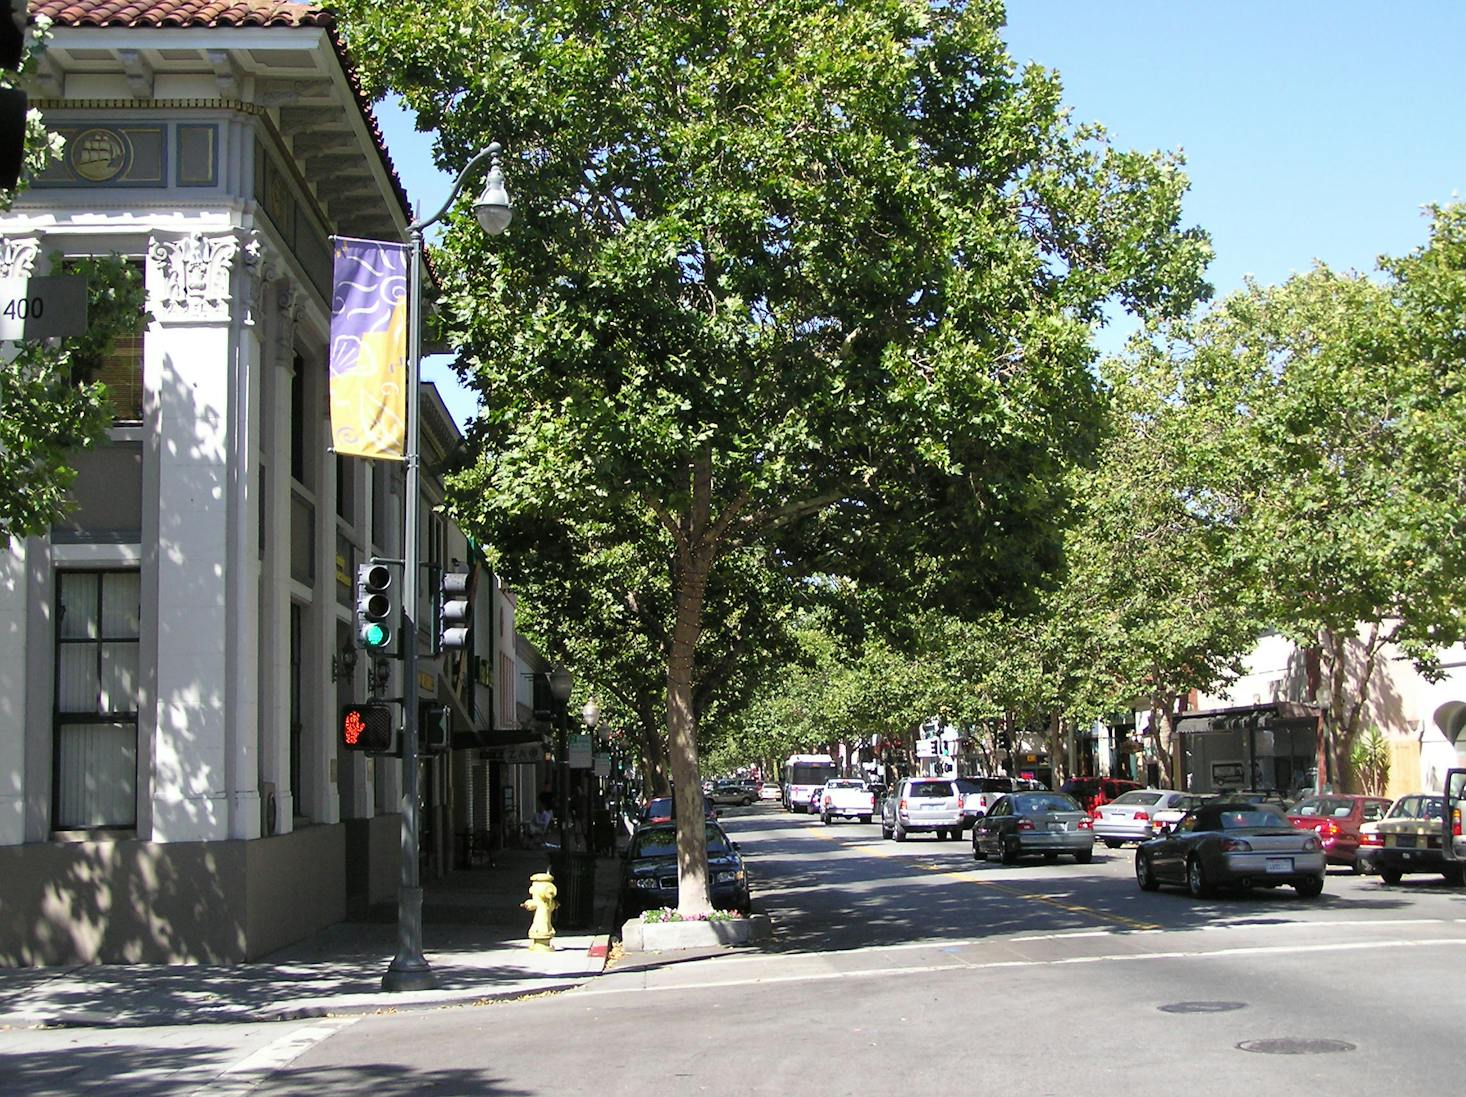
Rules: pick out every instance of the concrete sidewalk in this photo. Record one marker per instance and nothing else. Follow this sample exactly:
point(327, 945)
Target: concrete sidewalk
point(474, 936)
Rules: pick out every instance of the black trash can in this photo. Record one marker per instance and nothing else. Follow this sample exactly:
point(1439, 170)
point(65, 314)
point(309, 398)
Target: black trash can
point(575, 888)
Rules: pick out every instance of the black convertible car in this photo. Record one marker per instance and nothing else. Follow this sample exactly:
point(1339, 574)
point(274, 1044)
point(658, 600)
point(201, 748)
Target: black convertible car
point(1232, 844)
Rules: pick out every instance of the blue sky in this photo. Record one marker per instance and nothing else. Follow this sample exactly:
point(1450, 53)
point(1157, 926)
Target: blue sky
point(1313, 131)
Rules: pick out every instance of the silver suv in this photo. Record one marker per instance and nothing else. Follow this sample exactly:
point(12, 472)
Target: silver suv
point(922, 803)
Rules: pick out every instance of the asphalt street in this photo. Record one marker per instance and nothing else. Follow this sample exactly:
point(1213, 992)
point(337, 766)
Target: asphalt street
point(900, 969)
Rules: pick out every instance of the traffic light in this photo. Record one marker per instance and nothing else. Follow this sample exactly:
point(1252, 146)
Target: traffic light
point(455, 609)
point(378, 607)
point(367, 727)
point(12, 100)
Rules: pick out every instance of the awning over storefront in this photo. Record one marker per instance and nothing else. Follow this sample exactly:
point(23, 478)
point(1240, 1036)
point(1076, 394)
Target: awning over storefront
point(1274, 714)
point(502, 744)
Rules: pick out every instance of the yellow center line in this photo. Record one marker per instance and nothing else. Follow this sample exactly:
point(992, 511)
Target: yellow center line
point(968, 877)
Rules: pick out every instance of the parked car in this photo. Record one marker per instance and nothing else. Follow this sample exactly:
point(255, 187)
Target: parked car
point(846, 798)
point(663, 809)
point(1164, 818)
point(1267, 797)
point(980, 793)
point(650, 876)
point(731, 792)
point(1232, 843)
point(1091, 791)
point(919, 804)
point(1336, 819)
point(1023, 823)
point(770, 791)
point(1408, 840)
point(1131, 816)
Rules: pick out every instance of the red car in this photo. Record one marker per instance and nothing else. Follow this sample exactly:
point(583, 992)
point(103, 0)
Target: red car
point(1336, 819)
point(1093, 791)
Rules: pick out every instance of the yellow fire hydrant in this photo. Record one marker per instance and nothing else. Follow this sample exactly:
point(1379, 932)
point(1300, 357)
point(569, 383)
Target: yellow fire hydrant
point(541, 900)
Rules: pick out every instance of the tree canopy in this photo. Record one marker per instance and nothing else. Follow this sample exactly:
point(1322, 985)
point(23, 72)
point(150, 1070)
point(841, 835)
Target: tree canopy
point(813, 281)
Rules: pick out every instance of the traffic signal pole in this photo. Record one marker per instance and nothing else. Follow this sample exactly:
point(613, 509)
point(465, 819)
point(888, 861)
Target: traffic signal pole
point(409, 969)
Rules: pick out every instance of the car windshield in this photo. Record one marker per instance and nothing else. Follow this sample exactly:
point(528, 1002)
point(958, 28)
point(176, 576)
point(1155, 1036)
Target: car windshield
point(932, 789)
point(968, 784)
point(662, 841)
point(1416, 807)
point(1138, 798)
point(1335, 807)
point(1044, 801)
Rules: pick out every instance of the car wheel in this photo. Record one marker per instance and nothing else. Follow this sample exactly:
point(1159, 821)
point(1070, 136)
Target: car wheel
point(1144, 874)
point(885, 832)
point(825, 818)
point(900, 833)
point(1084, 857)
point(1009, 852)
point(1391, 876)
point(1311, 888)
point(978, 853)
point(1454, 875)
point(1113, 843)
point(1196, 881)
point(1051, 857)
point(865, 818)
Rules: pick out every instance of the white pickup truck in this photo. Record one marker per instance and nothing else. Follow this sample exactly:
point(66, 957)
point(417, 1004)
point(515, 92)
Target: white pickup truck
point(847, 798)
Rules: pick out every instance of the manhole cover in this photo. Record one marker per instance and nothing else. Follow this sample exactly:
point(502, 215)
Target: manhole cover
point(1202, 1007)
point(1295, 1047)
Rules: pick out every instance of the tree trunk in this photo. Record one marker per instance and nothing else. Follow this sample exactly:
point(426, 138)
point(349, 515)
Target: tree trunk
point(693, 897)
point(1162, 732)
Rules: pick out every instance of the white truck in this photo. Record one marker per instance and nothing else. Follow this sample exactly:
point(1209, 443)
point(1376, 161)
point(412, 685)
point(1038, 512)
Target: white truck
point(846, 798)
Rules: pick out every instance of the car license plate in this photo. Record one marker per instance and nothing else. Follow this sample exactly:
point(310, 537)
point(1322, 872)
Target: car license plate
point(1280, 864)
point(1058, 828)
point(1405, 840)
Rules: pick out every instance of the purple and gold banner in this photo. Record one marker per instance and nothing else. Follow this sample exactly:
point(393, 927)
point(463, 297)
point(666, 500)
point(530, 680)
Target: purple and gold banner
point(369, 348)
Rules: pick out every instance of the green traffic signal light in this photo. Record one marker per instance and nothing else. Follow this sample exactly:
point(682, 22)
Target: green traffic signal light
point(374, 635)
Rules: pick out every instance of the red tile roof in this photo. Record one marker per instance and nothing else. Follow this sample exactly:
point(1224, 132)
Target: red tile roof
point(183, 13)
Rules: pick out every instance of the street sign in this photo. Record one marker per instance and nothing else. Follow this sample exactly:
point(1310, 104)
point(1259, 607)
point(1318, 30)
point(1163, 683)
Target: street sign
point(602, 765)
point(42, 308)
point(926, 748)
point(580, 749)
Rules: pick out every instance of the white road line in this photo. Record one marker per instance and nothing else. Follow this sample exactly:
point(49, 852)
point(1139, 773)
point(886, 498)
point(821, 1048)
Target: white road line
point(245, 1075)
point(957, 965)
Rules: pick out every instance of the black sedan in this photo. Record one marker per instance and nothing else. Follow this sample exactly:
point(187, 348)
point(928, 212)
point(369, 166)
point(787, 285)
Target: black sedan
point(650, 879)
point(1232, 844)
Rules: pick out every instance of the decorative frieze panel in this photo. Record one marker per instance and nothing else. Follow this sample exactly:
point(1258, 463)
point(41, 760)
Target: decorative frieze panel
point(18, 256)
point(190, 276)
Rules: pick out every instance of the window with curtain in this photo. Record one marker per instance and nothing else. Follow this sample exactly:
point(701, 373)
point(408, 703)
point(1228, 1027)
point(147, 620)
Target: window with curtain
point(95, 763)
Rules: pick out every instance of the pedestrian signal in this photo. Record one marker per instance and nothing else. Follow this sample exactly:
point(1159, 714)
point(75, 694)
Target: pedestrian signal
point(367, 727)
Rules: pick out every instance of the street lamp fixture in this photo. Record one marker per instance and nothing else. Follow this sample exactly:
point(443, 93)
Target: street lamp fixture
point(561, 683)
point(409, 969)
point(591, 714)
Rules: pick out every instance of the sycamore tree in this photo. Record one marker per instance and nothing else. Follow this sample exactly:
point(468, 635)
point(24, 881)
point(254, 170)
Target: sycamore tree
point(1166, 602)
point(815, 280)
point(1326, 422)
point(51, 405)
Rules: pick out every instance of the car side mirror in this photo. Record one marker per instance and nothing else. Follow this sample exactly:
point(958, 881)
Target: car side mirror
point(733, 845)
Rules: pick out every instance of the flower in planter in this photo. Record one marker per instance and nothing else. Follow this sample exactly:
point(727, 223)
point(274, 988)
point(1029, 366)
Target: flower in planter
point(667, 914)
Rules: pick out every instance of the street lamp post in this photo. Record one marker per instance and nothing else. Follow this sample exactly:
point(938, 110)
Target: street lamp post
point(409, 969)
point(590, 715)
point(561, 683)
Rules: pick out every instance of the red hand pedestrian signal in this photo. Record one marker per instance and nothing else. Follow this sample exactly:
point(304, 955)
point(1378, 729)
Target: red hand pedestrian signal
point(367, 727)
